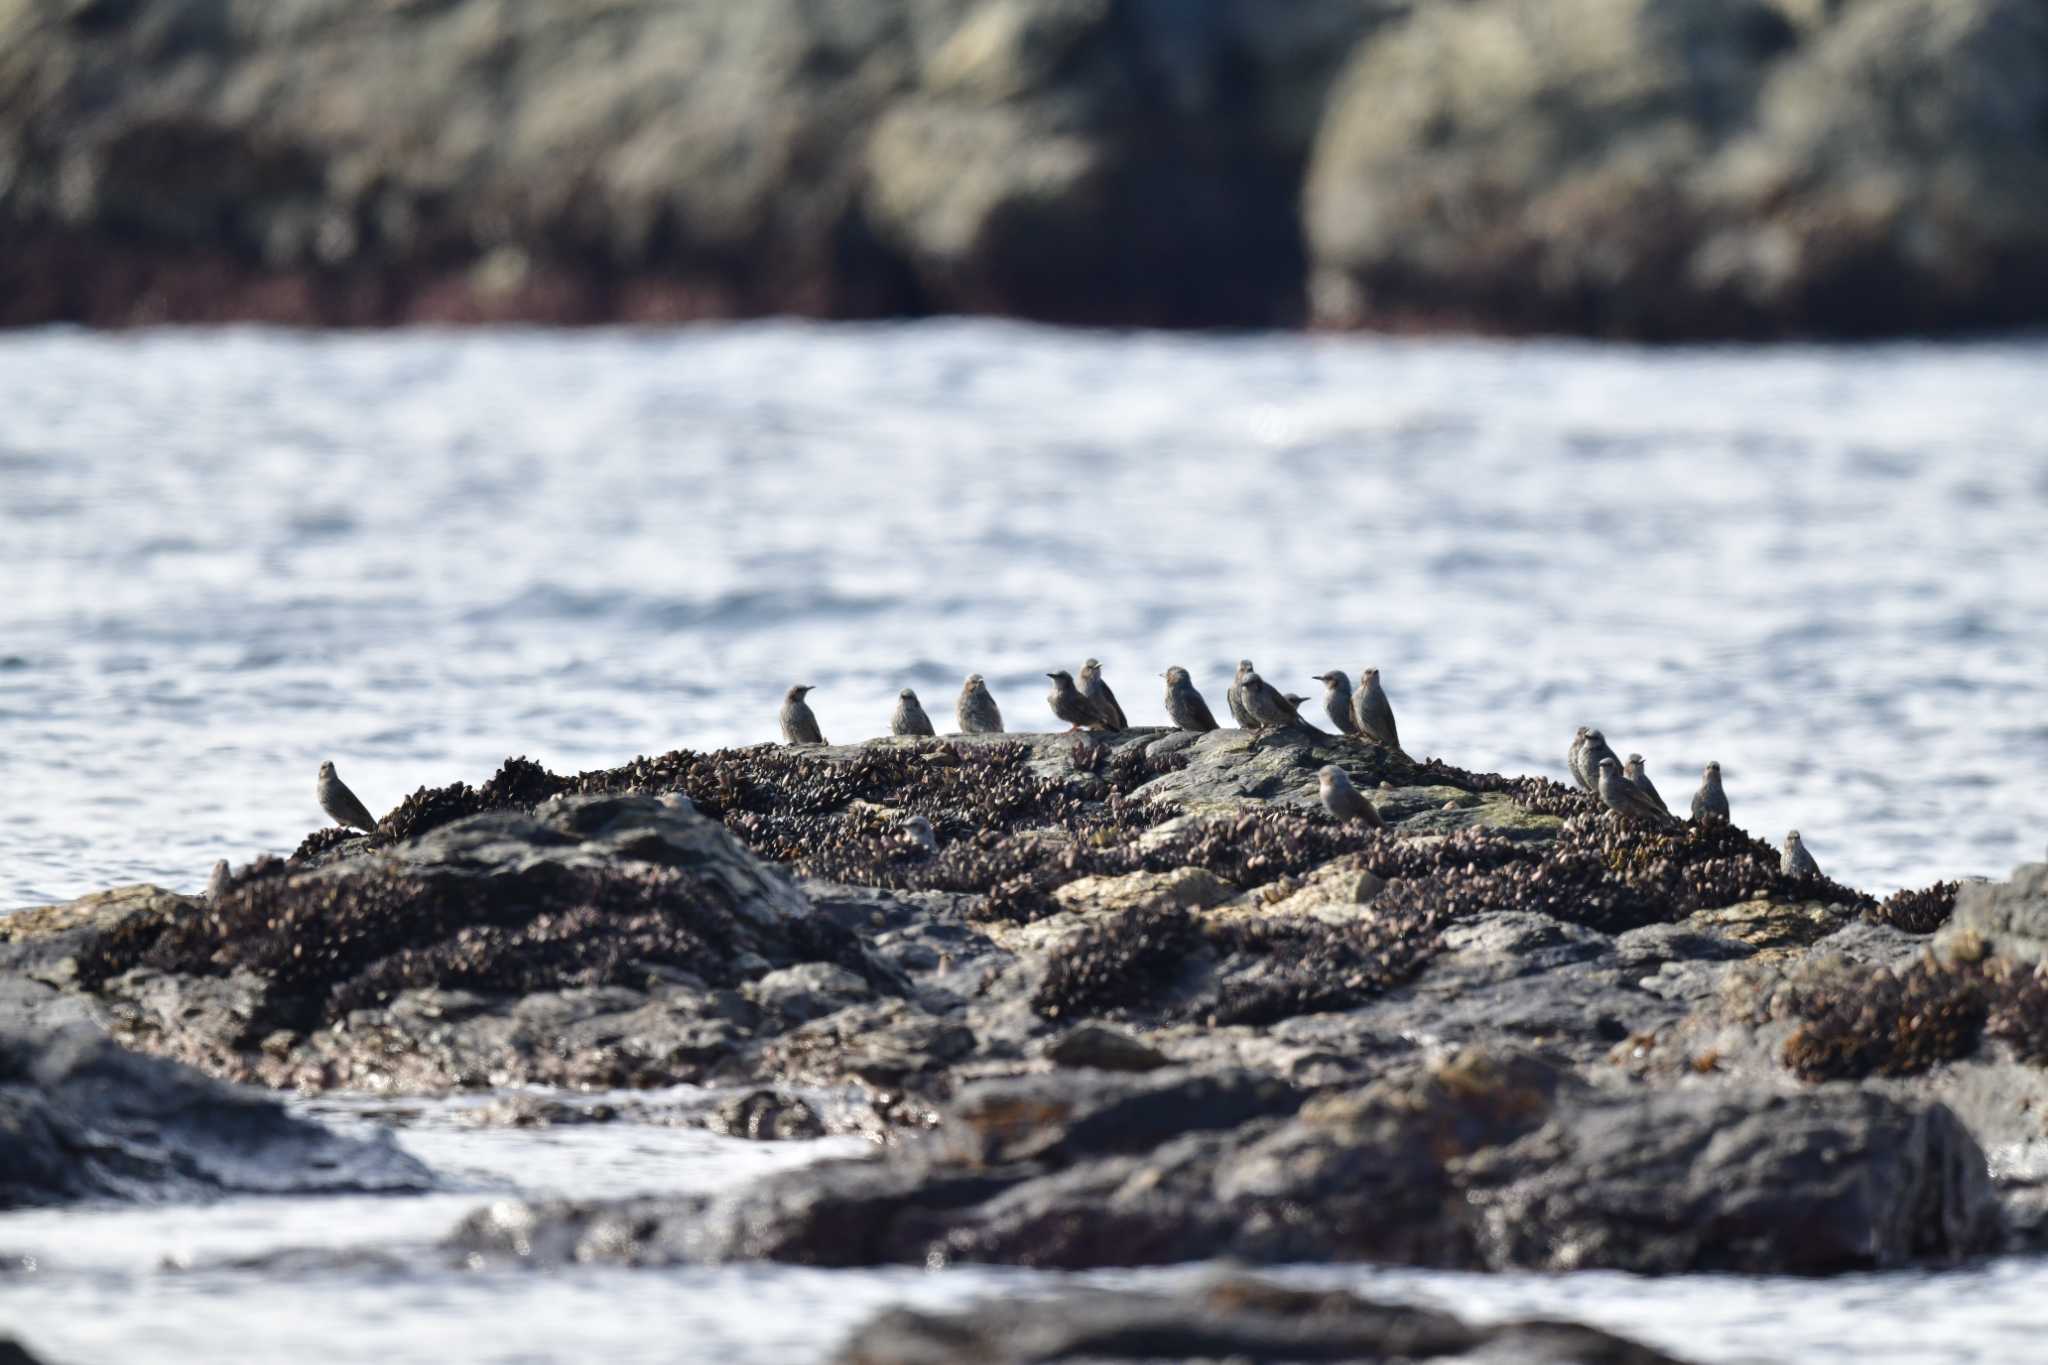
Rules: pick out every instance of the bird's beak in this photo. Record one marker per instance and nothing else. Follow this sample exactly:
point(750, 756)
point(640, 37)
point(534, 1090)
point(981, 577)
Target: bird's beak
point(1052, 675)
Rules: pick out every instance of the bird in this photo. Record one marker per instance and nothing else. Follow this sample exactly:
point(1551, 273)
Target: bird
point(910, 718)
point(976, 710)
point(1184, 705)
point(1264, 704)
point(1575, 759)
point(1370, 708)
point(1640, 780)
point(1710, 799)
point(1235, 696)
point(1337, 701)
point(1070, 706)
point(1100, 697)
point(1620, 796)
point(217, 884)
point(799, 726)
point(1343, 800)
point(1295, 701)
point(1590, 754)
point(1796, 861)
point(341, 804)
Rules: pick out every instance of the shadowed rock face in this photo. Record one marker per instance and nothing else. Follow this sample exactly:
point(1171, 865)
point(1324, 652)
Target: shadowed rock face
point(1486, 1160)
point(82, 1119)
point(1230, 1319)
point(1651, 168)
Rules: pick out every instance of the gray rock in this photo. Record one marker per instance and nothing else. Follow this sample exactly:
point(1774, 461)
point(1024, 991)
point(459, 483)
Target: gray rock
point(1814, 1183)
point(1226, 1319)
point(2008, 918)
point(1481, 1160)
point(1105, 1049)
point(809, 990)
point(81, 1118)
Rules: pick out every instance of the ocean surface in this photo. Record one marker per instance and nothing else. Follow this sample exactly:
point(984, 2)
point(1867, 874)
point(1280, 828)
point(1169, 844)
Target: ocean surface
point(228, 555)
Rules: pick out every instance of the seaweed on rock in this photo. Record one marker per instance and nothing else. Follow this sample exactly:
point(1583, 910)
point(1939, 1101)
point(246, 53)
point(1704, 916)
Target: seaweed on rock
point(427, 809)
point(1920, 911)
point(1127, 962)
point(329, 945)
point(1855, 1021)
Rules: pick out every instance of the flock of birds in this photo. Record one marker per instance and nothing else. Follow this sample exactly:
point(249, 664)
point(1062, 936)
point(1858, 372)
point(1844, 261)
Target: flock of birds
point(1086, 703)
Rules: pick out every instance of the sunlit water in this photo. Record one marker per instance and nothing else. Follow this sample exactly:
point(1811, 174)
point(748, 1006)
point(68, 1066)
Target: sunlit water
point(225, 556)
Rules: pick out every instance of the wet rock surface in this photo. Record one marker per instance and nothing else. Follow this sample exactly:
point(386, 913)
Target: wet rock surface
point(1486, 1160)
point(1651, 168)
point(1145, 1005)
point(81, 1118)
point(1229, 1319)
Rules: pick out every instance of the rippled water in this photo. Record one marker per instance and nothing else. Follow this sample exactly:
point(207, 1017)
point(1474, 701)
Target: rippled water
point(225, 556)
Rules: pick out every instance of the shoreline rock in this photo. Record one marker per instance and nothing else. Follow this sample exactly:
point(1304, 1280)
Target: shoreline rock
point(81, 1118)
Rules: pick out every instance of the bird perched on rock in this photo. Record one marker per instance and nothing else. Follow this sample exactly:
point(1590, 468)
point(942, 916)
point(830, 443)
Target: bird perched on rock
point(217, 884)
point(1372, 711)
point(1710, 799)
point(799, 726)
point(1620, 795)
point(1640, 779)
point(1337, 701)
point(976, 710)
point(1235, 696)
point(1100, 697)
point(1345, 801)
point(341, 804)
point(1070, 706)
point(1264, 704)
point(1184, 705)
point(910, 718)
point(1590, 753)
point(1796, 861)
point(1575, 759)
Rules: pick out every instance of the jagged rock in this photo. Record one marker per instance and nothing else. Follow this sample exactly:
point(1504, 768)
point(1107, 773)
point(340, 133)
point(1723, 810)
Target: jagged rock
point(81, 1118)
point(1227, 1319)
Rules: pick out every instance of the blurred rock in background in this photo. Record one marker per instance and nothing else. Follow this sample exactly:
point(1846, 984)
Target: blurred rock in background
point(1638, 168)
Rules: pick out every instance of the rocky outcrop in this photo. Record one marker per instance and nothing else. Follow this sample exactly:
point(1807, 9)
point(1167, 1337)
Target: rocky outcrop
point(1655, 168)
point(1683, 168)
point(1122, 1000)
point(83, 1119)
point(1229, 1319)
